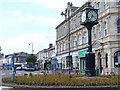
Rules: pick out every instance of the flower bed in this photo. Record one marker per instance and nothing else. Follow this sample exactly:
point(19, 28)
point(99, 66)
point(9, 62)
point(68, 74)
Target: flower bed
point(64, 80)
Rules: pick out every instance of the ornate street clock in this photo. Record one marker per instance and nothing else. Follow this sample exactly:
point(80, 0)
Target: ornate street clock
point(89, 15)
point(92, 15)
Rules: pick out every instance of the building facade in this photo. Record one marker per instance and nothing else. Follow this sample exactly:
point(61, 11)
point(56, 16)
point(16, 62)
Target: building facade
point(19, 57)
point(47, 58)
point(105, 38)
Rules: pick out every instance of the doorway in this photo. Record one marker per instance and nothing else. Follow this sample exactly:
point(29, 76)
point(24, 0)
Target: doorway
point(100, 67)
point(83, 65)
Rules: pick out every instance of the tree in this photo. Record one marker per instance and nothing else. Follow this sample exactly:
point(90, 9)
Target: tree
point(31, 58)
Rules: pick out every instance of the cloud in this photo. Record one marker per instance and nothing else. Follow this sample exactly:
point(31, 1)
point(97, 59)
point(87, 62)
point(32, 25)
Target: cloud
point(0, 27)
point(21, 43)
point(55, 4)
point(29, 18)
point(60, 4)
point(15, 13)
point(16, 0)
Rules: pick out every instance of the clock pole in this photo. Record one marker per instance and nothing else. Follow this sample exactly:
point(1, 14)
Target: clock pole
point(90, 20)
point(89, 28)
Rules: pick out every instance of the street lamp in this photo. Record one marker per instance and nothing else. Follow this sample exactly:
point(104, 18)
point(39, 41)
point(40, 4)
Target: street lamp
point(89, 18)
point(13, 68)
point(32, 47)
point(0, 48)
point(69, 57)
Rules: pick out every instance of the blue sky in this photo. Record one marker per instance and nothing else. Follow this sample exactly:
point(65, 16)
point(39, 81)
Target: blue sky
point(30, 21)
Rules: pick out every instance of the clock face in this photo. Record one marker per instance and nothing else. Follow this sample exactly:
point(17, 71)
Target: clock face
point(83, 16)
point(92, 15)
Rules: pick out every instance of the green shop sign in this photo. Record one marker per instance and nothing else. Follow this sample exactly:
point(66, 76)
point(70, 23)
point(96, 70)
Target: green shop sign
point(82, 53)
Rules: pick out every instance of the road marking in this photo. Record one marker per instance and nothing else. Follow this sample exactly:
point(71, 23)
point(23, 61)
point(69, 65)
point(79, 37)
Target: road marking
point(4, 87)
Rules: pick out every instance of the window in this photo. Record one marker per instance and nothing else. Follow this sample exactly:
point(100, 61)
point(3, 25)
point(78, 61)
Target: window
point(117, 59)
point(94, 33)
point(61, 47)
point(57, 48)
point(64, 46)
point(99, 31)
point(118, 26)
point(105, 29)
point(98, 6)
point(85, 39)
point(118, 2)
point(104, 4)
point(80, 39)
point(75, 42)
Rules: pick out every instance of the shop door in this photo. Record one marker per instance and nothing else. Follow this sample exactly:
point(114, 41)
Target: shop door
point(83, 65)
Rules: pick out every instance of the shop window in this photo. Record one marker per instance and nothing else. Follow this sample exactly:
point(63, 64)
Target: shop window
point(118, 26)
point(117, 59)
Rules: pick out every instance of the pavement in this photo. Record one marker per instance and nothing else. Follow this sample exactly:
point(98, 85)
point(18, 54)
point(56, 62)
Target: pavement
point(37, 87)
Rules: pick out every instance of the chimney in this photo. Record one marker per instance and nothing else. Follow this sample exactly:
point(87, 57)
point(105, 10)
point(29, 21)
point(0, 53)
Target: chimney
point(50, 45)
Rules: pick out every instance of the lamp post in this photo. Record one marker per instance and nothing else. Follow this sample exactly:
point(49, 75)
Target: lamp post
point(32, 47)
point(67, 13)
point(89, 18)
point(13, 68)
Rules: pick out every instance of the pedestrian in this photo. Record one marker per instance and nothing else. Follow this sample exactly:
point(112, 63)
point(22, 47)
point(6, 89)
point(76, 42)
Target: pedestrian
point(15, 69)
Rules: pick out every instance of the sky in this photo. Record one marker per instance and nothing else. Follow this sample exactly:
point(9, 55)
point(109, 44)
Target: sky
point(23, 22)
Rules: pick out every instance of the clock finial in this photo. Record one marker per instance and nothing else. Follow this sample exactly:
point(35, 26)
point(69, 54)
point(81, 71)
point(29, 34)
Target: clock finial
point(88, 3)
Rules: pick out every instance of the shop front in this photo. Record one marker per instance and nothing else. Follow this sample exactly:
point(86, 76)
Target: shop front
point(75, 60)
point(82, 57)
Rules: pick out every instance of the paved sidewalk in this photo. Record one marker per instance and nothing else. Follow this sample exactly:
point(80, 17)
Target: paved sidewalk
point(37, 87)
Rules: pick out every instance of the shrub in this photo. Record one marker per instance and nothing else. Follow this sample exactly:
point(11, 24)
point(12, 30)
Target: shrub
point(25, 74)
point(65, 80)
point(30, 74)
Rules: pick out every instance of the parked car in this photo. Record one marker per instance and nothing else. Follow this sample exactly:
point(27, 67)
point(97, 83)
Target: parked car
point(19, 68)
point(30, 67)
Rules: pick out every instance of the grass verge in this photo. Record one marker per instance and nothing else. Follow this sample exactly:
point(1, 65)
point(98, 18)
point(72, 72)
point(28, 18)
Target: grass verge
point(63, 80)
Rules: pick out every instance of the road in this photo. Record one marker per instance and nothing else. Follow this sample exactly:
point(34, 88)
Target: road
point(8, 73)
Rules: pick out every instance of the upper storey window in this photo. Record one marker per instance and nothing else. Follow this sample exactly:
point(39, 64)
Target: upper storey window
point(118, 26)
point(75, 42)
point(80, 39)
point(105, 29)
point(94, 33)
point(98, 7)
point(99, 31)
point(104, 4)
point(64, 46)
point(118, 2)
point(85, 37)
